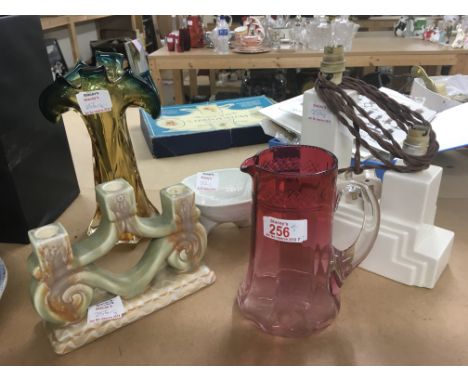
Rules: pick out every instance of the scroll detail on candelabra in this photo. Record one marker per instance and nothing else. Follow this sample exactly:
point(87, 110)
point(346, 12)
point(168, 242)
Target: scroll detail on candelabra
point(65, 278)
point(101, 94)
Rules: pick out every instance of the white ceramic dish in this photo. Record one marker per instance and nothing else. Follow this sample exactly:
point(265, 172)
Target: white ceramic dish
point(231, 201)
point(3, 277)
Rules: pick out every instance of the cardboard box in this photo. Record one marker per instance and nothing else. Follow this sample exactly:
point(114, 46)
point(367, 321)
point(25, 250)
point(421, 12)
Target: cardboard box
point(208, 126)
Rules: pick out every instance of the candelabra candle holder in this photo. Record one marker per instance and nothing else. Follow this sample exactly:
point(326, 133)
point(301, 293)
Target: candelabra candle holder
point(101, 94)
point(66, 281)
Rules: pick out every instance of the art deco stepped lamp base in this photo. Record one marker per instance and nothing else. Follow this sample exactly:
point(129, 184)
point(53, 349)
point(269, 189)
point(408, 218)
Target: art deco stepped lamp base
point(67, 285)
point(409, 248)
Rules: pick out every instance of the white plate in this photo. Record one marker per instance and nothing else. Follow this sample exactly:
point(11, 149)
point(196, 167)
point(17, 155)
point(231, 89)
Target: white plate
point(3, 276)
point(253, 50)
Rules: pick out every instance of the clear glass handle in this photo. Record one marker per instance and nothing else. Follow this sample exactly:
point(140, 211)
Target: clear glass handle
point(345, 261)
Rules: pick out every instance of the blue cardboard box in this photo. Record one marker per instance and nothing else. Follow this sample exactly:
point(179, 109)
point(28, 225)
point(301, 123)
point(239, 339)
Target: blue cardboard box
point(207, 126)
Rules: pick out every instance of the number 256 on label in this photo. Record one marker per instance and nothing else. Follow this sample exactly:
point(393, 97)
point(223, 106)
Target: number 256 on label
point(288, 231)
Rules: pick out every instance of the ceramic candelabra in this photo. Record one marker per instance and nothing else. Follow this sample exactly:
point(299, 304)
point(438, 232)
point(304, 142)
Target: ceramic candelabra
point(101, 94)
point(66, 281)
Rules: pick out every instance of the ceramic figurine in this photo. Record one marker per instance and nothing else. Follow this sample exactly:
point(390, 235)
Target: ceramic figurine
point(428, 33)
point(435, 36)
point(418, 71)
point(442, 37)
point(459, 38)
point(448, 32)
point(101, 95)
point(66, 280)
point(399, 28)
point(409, 29)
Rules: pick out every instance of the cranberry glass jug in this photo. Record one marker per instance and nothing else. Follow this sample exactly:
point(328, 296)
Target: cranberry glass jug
point(294, 275)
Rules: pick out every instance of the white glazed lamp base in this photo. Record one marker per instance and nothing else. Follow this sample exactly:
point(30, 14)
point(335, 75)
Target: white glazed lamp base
point(409, 248)
point(168, 287)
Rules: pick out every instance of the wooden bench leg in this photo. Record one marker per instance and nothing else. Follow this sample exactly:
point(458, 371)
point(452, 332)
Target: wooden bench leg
point(461, 67)
point(212, 82)
point(193, 83)
point(178, 86)
point(157, 78)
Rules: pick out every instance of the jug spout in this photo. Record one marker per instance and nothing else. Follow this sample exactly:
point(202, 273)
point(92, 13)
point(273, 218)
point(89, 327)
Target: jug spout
point(249, 165)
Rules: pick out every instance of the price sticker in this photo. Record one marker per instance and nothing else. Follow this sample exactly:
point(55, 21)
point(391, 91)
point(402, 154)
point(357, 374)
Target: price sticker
point(288, 231)
point(94, 102)
point(106, 310)
point(207, 181)
point(319, 112)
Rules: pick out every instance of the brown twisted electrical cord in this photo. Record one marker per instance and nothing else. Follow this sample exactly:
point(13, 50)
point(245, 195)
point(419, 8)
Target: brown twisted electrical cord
point(344, 108)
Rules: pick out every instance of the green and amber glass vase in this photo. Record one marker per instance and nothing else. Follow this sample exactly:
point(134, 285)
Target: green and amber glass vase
point(101, 94)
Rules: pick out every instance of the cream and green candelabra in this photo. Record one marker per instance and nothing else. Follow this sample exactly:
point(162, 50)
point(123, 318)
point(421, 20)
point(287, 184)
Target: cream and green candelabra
point(66, 280)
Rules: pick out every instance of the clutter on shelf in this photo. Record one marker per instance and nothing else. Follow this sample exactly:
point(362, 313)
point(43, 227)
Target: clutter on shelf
point(446, 30)
point(260, 34)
